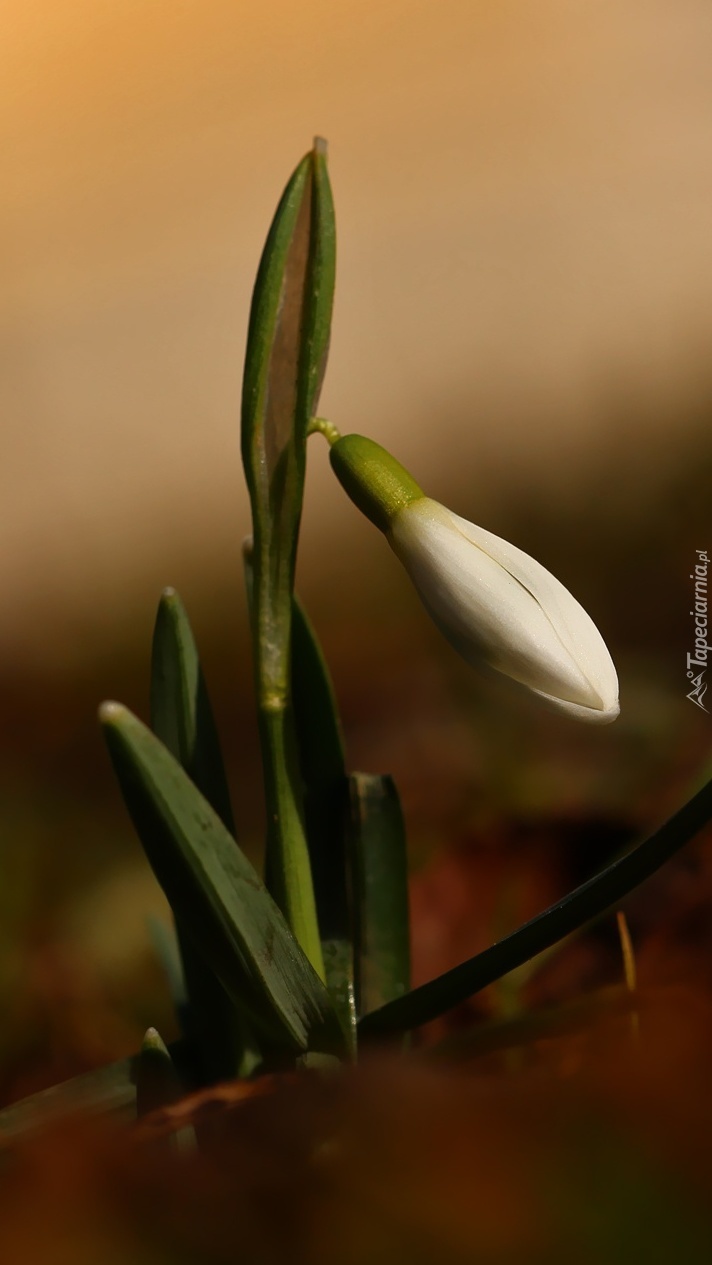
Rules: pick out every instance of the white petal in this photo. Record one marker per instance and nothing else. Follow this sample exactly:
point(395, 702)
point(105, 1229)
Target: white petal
point(495, 603)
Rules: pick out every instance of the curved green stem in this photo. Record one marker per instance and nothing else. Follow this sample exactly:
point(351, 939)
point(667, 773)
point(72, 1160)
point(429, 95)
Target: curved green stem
point(321, 426)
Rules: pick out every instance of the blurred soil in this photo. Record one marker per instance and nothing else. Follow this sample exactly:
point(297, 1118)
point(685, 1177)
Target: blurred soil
point(594, 1148)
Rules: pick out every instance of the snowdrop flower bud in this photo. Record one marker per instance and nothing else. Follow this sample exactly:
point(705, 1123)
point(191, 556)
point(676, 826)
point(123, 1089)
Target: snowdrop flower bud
point(496, 605)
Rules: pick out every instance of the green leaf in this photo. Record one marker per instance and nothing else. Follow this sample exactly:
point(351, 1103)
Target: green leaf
point(182, 718)
point(380, 881)
point(586, 902)
point(157, 1081)
point(181, 713)
point(321, 762)
point(288, 335)
point(216, 894)
point(287, 346)
point(321, 744)
point(158, 1085)
point(528, 970)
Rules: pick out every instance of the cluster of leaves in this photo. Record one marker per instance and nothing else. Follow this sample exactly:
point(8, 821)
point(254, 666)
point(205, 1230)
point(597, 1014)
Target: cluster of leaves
point(314, 960)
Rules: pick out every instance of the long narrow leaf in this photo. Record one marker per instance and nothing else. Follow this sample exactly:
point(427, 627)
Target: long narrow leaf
point(286, 354)
point(380, 877)
point(216, 894)
point(182, 717)
point(321, 762)
point(288, 336)
point(586, 902)
point(530, 969)
point(181, 712)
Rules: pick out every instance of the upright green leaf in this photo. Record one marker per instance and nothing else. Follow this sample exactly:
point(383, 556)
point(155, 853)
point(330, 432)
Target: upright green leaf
point(288, 341)
point(181, 712)
point(380, 879)
point(285, 360)
point(583, 904)
point(182, 717)
point(321, 762)
point(216, 894)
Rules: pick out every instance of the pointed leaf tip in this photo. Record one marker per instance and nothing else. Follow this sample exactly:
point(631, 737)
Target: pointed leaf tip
point(111, 712)
point(152, 1040)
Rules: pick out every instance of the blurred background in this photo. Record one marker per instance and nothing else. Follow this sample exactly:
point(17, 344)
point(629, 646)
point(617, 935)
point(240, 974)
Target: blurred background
point(523, 314)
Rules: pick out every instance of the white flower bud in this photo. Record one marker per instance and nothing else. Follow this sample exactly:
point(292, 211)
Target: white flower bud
point(496, 605)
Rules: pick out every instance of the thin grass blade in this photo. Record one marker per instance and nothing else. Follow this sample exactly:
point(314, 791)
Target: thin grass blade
point(585, 903)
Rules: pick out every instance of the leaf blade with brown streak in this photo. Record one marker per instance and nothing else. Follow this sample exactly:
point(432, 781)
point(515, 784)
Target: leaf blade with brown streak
point(287, 346)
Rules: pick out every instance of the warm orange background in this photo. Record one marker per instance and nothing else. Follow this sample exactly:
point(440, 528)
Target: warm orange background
point(523, 313)
point(523, 196)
